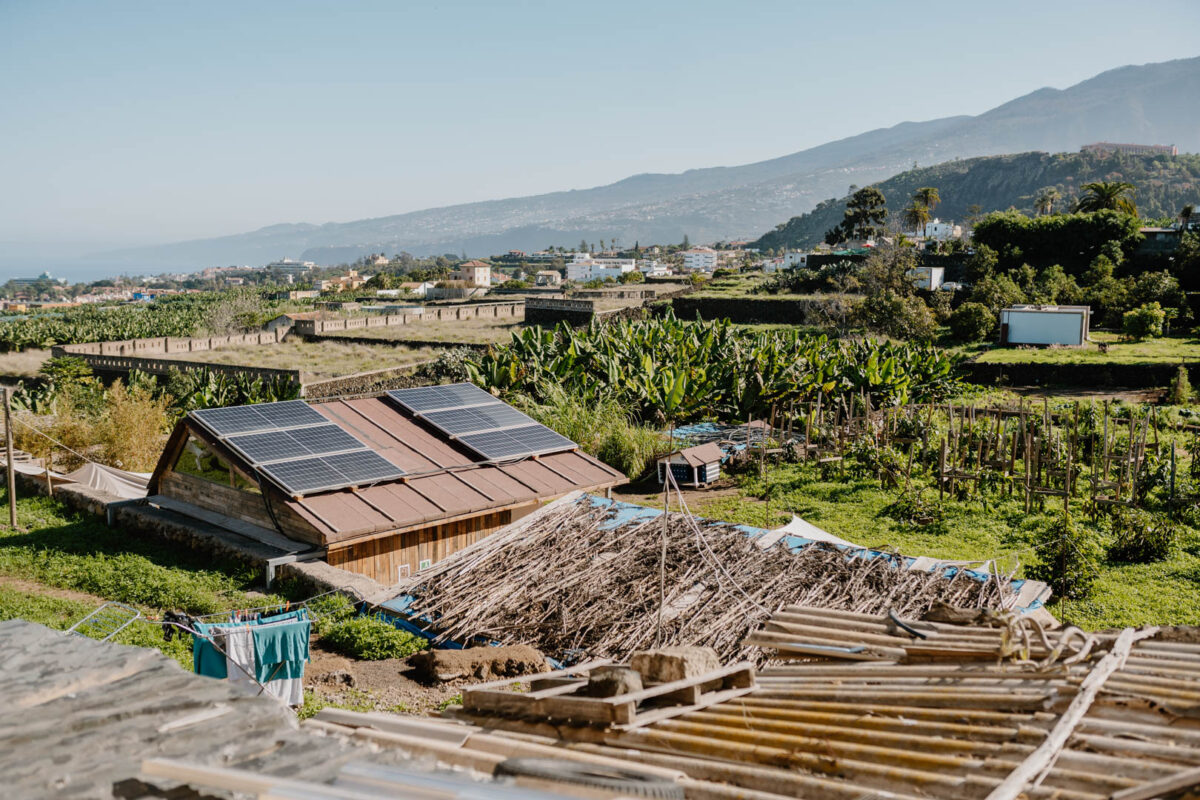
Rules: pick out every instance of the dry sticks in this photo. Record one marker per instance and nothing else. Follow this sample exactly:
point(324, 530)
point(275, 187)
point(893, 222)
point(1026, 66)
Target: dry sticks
point(574, 586)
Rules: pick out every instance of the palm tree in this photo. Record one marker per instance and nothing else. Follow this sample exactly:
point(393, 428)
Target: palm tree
point(1108, 196)
point(1185, 217)
point(927, 196)
point(1045, 200)
point(916, 216)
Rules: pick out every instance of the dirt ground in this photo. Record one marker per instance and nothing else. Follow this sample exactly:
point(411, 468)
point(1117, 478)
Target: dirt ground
point(399, 685)
point(33, 587)
point(1079, 393)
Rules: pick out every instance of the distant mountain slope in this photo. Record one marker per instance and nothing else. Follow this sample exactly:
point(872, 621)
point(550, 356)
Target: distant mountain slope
point(996, 183)
point(1154, 103)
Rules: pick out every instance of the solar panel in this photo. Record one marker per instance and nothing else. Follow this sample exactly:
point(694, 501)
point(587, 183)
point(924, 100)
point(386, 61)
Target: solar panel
point(290, 414)
point(238, 419)
point(363, 466)
point(493, 445)
point(267, 446)
point(296, 446)
point(457, 421)
point(304, 475)
point(259, 417)
point(540, 439)
point(434, 398)
point(321, 439)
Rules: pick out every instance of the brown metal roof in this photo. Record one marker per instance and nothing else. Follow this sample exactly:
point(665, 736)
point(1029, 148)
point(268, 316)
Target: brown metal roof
point(700, 455)
point(442, 481)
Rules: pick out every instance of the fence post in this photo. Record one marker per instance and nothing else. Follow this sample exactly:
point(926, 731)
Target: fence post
point(12, 471)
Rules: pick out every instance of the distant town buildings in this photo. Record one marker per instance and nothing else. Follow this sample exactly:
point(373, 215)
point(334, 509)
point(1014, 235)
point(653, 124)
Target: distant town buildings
point(348, 282)
point(941, 231)
point(700, 259)
point(476, 273)
point(583, 267)
point(1106, 148)
point(291, 269)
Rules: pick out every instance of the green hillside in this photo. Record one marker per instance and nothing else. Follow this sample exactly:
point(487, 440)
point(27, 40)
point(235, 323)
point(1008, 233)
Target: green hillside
point(996, 183)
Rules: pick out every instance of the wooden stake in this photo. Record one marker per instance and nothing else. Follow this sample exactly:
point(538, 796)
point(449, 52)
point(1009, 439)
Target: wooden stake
point(12, 471)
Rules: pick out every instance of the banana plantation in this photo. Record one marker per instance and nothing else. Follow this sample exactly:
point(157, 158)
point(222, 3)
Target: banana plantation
point(664, 369)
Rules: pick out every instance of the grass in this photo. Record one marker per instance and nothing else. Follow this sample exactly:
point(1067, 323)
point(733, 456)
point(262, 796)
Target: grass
point(478, 330)
point(63, 564)
point(1167, 592)
point(23, 364)
point(1168, 350)
point(316, 359)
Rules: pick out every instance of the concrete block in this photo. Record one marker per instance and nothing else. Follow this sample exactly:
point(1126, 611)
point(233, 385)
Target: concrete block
point(668, 664)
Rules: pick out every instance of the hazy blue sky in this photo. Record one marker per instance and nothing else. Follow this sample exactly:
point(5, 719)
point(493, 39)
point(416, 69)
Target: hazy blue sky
point(139, 122)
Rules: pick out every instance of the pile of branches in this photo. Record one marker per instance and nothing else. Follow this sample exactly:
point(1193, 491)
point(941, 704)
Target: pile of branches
point(575, 587)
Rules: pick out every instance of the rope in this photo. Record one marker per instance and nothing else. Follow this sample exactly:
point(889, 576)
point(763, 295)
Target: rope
point(40, 432)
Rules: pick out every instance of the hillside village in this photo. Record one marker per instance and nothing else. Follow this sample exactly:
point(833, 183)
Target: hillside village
point(868, 471)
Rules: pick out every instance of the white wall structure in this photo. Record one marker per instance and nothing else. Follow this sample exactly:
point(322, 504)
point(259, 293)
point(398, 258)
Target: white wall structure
point(941, 231)
point(590, 269)
point(702, 259)
point(1045, 325)
point(928, 278)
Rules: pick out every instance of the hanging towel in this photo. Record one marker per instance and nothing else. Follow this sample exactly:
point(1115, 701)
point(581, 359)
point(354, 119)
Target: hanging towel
point(285, 645)
point(239, 656)
point(206, 660)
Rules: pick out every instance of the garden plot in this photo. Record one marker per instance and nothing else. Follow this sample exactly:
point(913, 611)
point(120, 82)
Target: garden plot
point(317, 359)
point(478, 330)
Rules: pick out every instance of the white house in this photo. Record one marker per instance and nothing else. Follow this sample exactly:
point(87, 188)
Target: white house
point(941, 231)
point(928, 278)
point(547, 277)
point(653, 268)
point(589, 269)
point(417, 288)
point(1045, 325)
point(700, 259)
point(476, 273)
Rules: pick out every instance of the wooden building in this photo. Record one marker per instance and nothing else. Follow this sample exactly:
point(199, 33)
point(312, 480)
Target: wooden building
point(446, 498)
point(692, 466)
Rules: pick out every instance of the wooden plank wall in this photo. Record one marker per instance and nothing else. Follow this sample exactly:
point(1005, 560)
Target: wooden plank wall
point(235, 503)
point(381, 558)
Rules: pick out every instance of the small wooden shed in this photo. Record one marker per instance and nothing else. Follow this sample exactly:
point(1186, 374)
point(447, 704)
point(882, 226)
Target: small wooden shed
point(692, 466)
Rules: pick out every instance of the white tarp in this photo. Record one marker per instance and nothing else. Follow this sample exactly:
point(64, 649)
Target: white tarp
point(806, 530)
point(111, 480)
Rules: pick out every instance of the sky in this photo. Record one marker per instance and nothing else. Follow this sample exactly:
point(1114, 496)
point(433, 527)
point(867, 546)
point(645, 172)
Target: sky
point(128, 123)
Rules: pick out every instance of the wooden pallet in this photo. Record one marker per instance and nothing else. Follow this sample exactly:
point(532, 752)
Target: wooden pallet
point(553, 696)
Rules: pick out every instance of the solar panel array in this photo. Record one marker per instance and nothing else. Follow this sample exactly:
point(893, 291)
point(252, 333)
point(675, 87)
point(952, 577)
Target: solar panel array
point(296, 447)
point(494, 430)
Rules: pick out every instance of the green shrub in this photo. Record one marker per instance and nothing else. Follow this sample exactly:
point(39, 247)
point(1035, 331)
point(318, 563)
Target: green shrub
point(1144, 322)
point(899, 317)
point(972, 322)
point(1141, 537)
point(371, 639)
point(1069, 559)
point(1180, 392)
point(633, 276)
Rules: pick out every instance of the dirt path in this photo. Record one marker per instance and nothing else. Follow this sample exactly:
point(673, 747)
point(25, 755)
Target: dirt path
point(387, 685)
point(33, 587)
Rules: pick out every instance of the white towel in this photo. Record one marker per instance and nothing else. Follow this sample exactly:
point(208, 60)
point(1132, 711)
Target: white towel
point(239, 650)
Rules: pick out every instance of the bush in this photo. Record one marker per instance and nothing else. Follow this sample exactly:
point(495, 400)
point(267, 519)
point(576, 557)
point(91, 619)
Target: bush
point(371, 639)
point(1180, 392)
point(633, 277)
point(1141, 537)
point(1144, 322)
point(132, 427)
point(1069, 559)
point(972, 322)
point(449, 367)
point(899, 317)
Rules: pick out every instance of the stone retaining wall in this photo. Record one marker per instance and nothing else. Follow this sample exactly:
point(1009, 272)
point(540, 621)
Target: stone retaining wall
point(321, 327)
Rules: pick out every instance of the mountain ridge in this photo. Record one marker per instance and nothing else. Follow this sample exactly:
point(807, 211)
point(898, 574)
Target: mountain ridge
point(1131, 103)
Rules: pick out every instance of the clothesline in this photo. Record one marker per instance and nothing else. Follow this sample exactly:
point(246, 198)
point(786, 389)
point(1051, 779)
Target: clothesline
point(285, 604)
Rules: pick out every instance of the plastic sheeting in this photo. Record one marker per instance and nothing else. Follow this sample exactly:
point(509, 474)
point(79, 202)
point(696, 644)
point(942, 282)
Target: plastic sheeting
point(127, 485)
point(806, 530)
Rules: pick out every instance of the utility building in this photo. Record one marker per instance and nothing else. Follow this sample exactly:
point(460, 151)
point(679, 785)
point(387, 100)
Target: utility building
point(1045, 325)
point(382, 486)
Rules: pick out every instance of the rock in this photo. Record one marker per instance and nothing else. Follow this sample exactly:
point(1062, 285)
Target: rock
point(478, 663)
point(335, 678)
point(612, 681)
point(668, 664)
